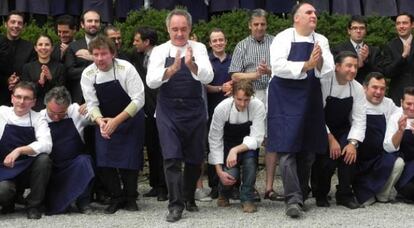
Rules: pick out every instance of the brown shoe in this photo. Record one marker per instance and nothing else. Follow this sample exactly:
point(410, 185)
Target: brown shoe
point(223, 202)
point(249, 207)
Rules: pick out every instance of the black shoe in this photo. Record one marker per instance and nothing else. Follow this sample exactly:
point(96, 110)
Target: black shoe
point(114, 207)
point(293, 210)
point(214, 193)
point(33, 213)
point(191, 206)
point(322, 202)
point(351, 204)
point(102, 199)
point(152, 193)
point(162, 195)
point(131, 206)
point(87, 210)
point(174, 215)
point(7, 209)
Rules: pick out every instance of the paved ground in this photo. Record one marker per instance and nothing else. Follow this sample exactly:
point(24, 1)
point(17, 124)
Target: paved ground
point(271, 214)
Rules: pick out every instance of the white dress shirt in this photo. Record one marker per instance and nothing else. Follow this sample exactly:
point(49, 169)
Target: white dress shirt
point(221, 114)
point(392, 128)
point(80, 121)
point(358, 115)
point(156, 65)
point(43, 143)
point(280, 49)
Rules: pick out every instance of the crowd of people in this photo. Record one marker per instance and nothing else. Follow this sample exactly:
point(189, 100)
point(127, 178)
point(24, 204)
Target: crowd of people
point(82, 111)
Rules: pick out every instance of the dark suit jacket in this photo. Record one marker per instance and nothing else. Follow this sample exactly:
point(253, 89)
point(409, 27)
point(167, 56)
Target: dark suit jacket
point(400, 70)
point(372, 63)
point(5, 60)
point(137, 59)
point(74, 68)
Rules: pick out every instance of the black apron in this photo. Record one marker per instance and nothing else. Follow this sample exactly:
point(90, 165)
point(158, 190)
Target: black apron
point(15, 136)
point(181, 116)
point(295, 111)
point(72, 170)
point(374, 165)
point(125, 147)
point(233, 135)
point(407, 153)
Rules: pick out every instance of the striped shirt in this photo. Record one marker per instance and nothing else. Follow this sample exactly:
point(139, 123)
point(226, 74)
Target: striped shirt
point(247, 56)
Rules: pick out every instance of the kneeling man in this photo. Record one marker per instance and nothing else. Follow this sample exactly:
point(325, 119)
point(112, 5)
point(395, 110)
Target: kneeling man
point(236, 132)
point(72, 169)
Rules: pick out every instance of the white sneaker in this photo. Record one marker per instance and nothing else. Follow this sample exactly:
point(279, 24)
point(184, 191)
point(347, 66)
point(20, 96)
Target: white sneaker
point(202, 195)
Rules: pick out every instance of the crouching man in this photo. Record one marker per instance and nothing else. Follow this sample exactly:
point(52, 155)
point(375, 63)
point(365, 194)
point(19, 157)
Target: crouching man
point(24, 147)
point(72, 170)
point(236, 132)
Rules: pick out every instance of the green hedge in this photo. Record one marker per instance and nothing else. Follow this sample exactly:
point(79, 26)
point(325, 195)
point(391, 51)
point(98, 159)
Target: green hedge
point(235, 25)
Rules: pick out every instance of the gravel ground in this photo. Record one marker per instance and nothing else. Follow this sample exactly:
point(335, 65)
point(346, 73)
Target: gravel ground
point(270, 214)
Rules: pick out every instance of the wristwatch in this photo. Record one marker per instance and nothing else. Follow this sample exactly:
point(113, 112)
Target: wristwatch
point(353, 142)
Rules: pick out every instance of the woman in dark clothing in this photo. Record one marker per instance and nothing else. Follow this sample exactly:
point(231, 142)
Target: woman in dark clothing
point(44, 72)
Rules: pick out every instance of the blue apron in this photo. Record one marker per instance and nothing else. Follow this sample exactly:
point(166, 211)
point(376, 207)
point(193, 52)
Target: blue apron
point(233, 135)
point(72, 170)
point(407, 153)
point(337, 111)
point(13, 137)
point(125, 147)
point(374, 165)
point(181, 116)
point(295, 110)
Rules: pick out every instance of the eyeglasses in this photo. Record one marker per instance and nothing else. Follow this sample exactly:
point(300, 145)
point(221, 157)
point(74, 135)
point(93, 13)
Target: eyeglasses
point(23, 98)
point(360, 28)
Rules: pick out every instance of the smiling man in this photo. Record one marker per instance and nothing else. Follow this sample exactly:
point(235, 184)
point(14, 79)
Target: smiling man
point(345, 115)
point(66, 29)
point(114, 94)
point(398, 54)
point(178, 68)
point(24, 147)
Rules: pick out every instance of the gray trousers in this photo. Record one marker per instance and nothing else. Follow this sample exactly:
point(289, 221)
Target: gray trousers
point(295, 171)
point(36, 177)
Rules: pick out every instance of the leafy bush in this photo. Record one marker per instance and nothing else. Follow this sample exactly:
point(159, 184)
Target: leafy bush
point(235, 26)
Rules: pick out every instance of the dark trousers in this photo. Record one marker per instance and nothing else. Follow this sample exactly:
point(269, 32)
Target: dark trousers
point(36, 177)
point(112, 178)
point(155, 160)
point(181, 187)
point(322, 171)
point(295, 172)
point(407, 191)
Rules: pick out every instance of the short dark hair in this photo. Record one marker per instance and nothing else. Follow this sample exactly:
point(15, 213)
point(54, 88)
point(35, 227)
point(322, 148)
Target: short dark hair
point(87, 11)
point(111, 27)
point(15, 12)
point(405, 14)
point(339, 58)
point(357, 19)
point(216, 30)
point(409, 90)
point(376, 75)
point(101, 41)
point(46, 36)
point(245, 85)
point(66, 20)
point(60, 94)
point(26, 85)
point(148, 33)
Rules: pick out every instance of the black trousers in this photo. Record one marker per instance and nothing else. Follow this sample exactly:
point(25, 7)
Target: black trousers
point(112, 178)
point(407, 191)
point(155, 159)
point(181, 187)
point(36, 177)
point(322, 171)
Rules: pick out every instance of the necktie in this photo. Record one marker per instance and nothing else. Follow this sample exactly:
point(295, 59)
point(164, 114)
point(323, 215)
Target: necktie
point(145, 63)
point(357, 48)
